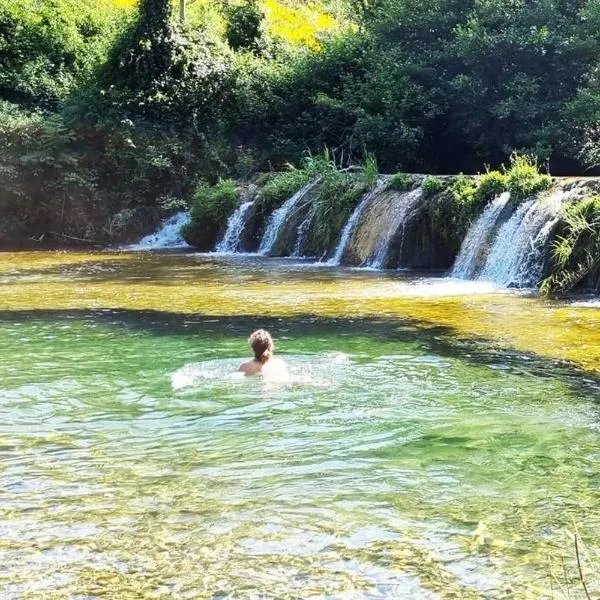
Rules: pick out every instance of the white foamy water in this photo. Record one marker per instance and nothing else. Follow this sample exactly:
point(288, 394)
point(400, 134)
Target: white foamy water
point(320, 370)
point(517, 256)
point(279, 218)
point(353, 221)
point(235, 226)
point(591, 303)
point(166, 236)
point(402, 209)
point(475, 245)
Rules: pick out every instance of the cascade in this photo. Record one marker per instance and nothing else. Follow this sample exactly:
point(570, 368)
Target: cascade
point(354, 219)
point(394, 222)
point(476, 243)
point(166, 236)
point(302, 233)
point(517, 255)
point(279, 218)
point(235, 225)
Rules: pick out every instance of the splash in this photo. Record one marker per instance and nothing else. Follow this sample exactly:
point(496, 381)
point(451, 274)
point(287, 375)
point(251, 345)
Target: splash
point(235, 226)
point(517, 256)
point(168, 235)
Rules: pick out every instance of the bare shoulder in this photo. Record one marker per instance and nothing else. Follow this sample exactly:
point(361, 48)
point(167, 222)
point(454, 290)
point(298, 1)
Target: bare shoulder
point(249, 368)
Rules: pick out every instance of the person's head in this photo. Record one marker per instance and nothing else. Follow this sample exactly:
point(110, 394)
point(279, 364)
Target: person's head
point(261, 343)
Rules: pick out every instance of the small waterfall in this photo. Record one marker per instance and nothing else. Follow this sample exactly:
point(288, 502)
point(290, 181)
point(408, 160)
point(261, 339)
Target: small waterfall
point(402, 209)
point(353, 220)
point(476, 243)
point(166, 236)
point(517, 256)
point(280, 216)
point(235, 225)
point(302, 233)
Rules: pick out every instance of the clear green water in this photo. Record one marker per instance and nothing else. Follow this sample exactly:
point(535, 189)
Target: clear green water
point(403, 460)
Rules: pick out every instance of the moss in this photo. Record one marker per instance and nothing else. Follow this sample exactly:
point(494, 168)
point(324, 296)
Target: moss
point(334, 202)
point(576, 249)
point(432, 186)
point(452, 210)
point(210, 211)
point(401, 182)
point(523, 178)
point(275, 188)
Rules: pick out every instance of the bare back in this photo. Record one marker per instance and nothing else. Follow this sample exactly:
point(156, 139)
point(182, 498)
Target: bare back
point(274, 368)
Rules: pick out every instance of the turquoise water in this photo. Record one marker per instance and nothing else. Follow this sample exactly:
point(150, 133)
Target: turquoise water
point(400, 461)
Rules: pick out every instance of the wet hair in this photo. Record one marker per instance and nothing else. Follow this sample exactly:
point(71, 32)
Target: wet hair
point(261, 343)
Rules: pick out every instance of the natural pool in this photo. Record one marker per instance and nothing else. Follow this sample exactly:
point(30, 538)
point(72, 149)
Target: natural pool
point(438, 439)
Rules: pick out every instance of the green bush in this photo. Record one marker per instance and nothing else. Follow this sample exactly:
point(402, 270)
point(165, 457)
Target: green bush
point(432, 186)
point(523, 178)
point(401, 182)
point(210, 211)
point(243, 29)
point(169, 74)
point(336, 198)
point(490, 185)
point(62, 178)
point(51, 47)
point(576, 248)
point(278, 187)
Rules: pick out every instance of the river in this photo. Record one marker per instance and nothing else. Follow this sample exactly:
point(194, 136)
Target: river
point(437, 439)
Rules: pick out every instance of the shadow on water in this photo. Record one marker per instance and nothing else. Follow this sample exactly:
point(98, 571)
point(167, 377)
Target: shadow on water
point(439, 340)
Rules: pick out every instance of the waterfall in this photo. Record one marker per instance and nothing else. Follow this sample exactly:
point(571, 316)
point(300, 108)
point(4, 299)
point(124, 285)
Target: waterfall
point(400, 211)
point(353, 221)
point(235, 225)
point(476, 243)
point(166, 236)
point(517, 256)
point(302, 233)
point(279, 217)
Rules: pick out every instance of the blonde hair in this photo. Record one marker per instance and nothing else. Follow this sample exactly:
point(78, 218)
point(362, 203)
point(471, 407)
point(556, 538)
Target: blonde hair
point(261, 343)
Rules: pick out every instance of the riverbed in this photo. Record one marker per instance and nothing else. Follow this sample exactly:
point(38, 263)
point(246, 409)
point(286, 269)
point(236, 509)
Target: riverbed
point(437, 438)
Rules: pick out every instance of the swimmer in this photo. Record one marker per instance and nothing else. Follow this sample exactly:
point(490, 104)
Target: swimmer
point(264, 362)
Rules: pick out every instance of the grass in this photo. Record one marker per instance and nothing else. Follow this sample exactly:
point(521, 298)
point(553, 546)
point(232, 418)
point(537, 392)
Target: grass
point(401, 182)
point(576, 248)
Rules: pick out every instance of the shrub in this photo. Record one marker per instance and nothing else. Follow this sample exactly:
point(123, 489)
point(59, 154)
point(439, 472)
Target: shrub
point(244, 29)
point(401, 182)
point(523, 178)
point(278, 187)
point(211, 209)
point(576, 249)
point(490, 185)
point(334, 202)
point(164, 72)
point(50, 47)
point(432, 186)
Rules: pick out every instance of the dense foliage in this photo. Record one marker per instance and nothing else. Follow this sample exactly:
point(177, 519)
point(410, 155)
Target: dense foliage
point(129, 109)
